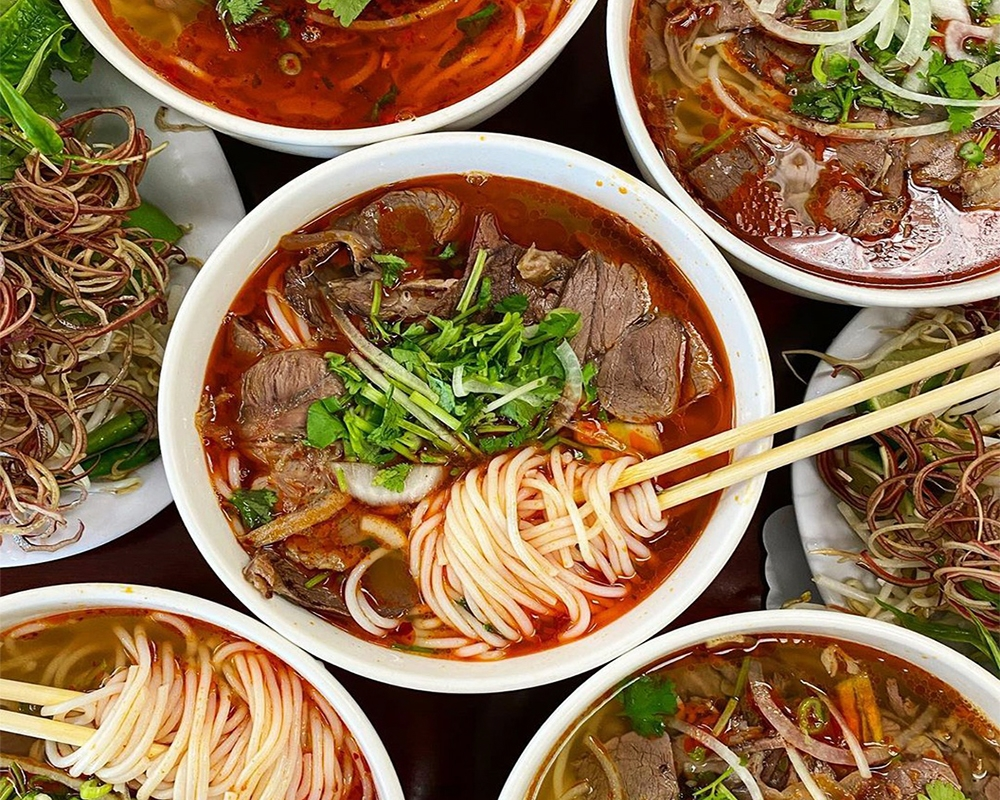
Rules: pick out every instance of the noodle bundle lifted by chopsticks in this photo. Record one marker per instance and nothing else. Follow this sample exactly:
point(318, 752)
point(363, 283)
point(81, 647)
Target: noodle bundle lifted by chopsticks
point(509, 545)
point(233, 722)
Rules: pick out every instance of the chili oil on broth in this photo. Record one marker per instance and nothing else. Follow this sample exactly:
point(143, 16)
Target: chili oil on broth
point(298, 67)
point(936, 241)
point(795, 663)
point(528, 213)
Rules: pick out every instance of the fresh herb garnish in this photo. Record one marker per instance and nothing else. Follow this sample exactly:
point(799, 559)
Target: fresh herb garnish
point(392, 267)
point(450, 251)
point(793, 7)
point(385, 100)
point(345, 10)
point(941, 790)
point(513, 302)
point(647, 702)
point(717, 789)
point(472, 27)
point(393, 478)
point(987, 79)
point(283, 28)
point(255, 506)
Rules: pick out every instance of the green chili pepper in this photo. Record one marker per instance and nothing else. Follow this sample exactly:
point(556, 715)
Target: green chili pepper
point(115, 431)
point(812, 716)
point(120, 460)
point(93, 789)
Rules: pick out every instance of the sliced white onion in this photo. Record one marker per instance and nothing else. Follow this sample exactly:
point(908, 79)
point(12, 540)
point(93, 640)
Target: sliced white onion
point(915, 80)
point(805, 776)
point(732, 760)
point(572, 392)
point(887, 27)
point(916, 37)
point(951, 9)
point(384, 531)
point(800, 36)
point(768, 7)
point(884, 83)
point(852, 741)
point(360, 479)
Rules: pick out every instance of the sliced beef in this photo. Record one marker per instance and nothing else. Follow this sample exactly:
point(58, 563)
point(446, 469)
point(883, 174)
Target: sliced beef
point(731, 15)
point(906, 781)
point(608, 298)
point(278, 390)
point(296, 471)
point(843, 208)
point(878, 165)
point(701, 376)
point(724, 172)
point(273, 575)
point(934, 160)
point(411, 299)
point(981, 187)
point(646, 767)
point(322, 244)
point(652, 37)
point(501, 268)
point(640, 377)
point(243, 339)
point(880, 218)
point(305, 290)
point(388, 220)
point(324, 546)
point(770, 57)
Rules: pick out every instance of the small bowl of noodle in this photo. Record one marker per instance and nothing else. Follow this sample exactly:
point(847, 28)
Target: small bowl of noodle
point(410, 406)
point(319, 78)
point(801, 704)
point(187, 700)
point(815, 144)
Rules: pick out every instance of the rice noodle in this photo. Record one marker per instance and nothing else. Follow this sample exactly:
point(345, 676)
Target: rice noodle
point(205, 725)
point(508, 545)
point(804, 775)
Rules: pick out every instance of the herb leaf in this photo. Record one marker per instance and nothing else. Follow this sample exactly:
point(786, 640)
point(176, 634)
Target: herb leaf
point(345, 10)
point(393, 478)
point(238, 11)
point(942, 790)
point(474, 24)
point(647, 702)
point(255, 506)
point(392, 267)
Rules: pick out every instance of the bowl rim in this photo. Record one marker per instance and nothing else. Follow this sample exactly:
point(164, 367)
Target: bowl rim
point(758, 264)
point(48, 601)
point(816, 622)
point(98, 32)
point(410, 670)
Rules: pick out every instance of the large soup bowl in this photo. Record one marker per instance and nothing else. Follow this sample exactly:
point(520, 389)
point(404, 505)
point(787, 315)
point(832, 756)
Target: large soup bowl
point(744, 256)
point(37, 604)
point(971, 681)
point(317, 143)
point(361, 171)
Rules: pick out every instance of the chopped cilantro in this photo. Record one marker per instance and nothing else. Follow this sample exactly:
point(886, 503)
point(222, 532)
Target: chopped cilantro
point(238, 11)
point(392, 267)
point(450, 251)
point(647, 702)
point(393, 478)
point(988, 78)
point(345, 10)
point(960, 119)
point(793, 7)
point(385, 100)
point(254, 505)
point(323, 426)
point(589, 383)
point(941, 790)
point(514, 303)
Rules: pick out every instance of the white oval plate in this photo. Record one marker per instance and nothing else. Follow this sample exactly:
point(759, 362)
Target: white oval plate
point(820, 524)
point(191, 181)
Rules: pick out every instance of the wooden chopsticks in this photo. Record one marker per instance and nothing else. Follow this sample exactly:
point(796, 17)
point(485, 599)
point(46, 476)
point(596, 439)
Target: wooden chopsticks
point(40, 727)
point(814, 409)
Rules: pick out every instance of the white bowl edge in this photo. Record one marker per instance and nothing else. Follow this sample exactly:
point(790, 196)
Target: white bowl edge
point(441, 153)
point(68, 598)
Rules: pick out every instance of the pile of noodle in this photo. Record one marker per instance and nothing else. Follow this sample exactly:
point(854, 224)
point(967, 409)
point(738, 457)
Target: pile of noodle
point(223, 723)
point(83, 315)
point(511, 545)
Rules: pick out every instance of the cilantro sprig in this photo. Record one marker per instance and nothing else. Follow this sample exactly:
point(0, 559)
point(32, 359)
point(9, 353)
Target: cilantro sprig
point(647, 703)
point(941, 790)
point(255, 506)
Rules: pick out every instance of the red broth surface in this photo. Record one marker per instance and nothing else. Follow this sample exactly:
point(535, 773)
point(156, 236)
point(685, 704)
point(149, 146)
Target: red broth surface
point(297, 66)
point(553, 220)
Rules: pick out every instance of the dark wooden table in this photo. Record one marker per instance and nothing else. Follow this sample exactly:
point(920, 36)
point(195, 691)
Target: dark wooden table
point(463, 746)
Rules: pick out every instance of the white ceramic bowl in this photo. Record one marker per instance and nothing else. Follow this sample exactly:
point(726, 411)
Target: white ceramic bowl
point(327, 143)
point(971, 681)
point(343, 178)
point(69, 598)
point(741, 254)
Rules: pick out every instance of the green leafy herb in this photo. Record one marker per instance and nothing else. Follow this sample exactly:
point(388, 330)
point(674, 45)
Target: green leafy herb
point(392, 267)
point(515, 303)
point(941, 790)
point(972, 154)
point(238, 11)
point(450, 251)
point(831, 14)
point(345, 10)
point(988, 78)
point(385, 100)
point(393, 478)
point(647, 702)
point(283, 28)
point(323, 425)
point(589, 383)
point(793, 7)
point(316, 580)
point(255, 506)
point(474, 24)
point(716, 790)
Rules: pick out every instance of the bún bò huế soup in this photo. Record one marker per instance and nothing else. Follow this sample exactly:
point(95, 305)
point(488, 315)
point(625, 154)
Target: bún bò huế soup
point(182, 711)
point(778, 717)
point(418, 408)
point(854, 140)
point(313, 65)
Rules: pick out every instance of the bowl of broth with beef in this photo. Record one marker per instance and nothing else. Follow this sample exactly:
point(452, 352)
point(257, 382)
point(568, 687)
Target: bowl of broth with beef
point(317, 78)
point(842, 150)
point(782, 705)
point(409, 422)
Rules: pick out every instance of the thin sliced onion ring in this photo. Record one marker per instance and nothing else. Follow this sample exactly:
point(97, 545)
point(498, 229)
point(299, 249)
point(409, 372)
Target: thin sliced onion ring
point(732, 760)
point(800, 36)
